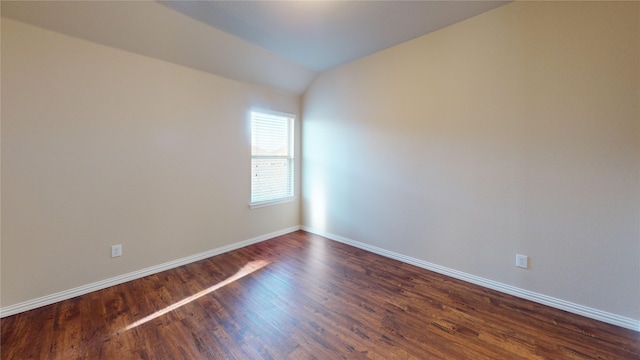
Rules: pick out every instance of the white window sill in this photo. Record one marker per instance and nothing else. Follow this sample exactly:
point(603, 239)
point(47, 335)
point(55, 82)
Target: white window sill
point(260, 204)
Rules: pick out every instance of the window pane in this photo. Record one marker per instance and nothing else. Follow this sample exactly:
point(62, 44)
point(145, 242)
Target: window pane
point(270, 137)
point(271, 179)
point(271, 157)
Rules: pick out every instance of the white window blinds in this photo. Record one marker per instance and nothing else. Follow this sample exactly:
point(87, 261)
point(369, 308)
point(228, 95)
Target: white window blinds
point(271, 157)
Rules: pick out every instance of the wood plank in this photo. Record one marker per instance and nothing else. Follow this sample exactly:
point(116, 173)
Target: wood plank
point(314, 299)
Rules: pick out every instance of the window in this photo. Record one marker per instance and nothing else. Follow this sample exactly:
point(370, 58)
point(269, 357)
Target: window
point(272, 165)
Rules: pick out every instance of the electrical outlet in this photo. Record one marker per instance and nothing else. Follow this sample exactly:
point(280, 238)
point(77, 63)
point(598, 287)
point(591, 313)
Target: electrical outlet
point(116, 250)
point(522, 261)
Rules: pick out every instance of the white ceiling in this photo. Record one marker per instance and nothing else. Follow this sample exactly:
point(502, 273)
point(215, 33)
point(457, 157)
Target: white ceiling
point(280, 44)
point(322, 34)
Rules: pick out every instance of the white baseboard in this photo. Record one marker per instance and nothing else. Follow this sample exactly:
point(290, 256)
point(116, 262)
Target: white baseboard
point(85, 289)
point(596, 314)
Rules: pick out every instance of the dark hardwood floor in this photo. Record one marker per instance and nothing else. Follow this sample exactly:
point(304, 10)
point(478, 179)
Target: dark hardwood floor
point(301, 296)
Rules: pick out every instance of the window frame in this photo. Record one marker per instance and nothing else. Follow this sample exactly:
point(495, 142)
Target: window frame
point(290, 157)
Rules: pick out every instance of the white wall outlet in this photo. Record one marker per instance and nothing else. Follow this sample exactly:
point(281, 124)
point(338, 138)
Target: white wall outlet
point(522, 261)
point(116, 250)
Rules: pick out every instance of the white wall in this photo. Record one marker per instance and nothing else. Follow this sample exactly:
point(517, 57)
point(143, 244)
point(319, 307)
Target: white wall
point(516, 131)
point(102, 147)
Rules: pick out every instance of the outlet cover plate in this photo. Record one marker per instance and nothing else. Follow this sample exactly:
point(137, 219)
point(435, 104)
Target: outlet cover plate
point(116, 250)
point(522, 261)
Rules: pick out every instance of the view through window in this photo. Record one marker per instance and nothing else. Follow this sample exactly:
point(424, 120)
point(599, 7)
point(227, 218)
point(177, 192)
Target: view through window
point(272, 165)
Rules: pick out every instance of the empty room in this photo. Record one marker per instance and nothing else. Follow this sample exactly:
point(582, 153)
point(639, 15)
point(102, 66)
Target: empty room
point(320, 180)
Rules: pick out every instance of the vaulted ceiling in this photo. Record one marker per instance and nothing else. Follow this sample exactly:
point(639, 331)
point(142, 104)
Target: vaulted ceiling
point(322, 34)
point(280, 44)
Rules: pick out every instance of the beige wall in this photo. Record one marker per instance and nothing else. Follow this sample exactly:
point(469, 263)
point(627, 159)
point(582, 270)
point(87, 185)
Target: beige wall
point(516, 131)
point(102, 147)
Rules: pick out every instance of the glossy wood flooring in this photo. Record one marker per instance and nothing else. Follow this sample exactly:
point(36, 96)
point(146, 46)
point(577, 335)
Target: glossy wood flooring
point(301, 296)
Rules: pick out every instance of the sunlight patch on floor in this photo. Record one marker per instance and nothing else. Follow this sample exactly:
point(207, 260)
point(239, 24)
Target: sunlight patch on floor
point(244, 271)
